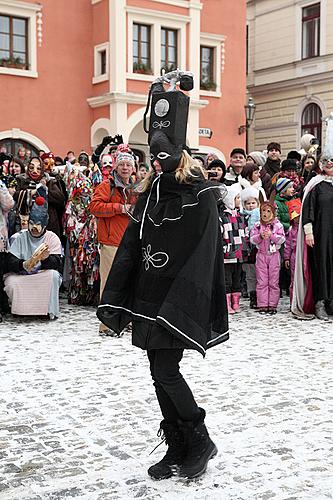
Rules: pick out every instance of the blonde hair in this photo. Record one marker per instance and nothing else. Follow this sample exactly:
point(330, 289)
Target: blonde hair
point(187, 170)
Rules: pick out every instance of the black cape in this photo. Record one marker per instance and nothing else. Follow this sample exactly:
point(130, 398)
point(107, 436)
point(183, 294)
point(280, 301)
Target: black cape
point(168, 271)
point(318, 209)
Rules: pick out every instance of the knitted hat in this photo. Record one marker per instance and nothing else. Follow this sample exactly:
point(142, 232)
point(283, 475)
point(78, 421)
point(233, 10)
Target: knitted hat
point(288, 164)
point(282, 184)
point(274, 145)
point(124, 157)
point(258, 157)
point(38, 212)
point(48, 156)
point(294, 208)
point(237, 151)
point(248, 193)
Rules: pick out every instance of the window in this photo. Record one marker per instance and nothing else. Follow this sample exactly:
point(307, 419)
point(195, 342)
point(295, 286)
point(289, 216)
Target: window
point(311, 31)
point(141, 49)
point(13, 145)
point(14, 42)
point(207, 80)
point(168, 49)
point(102, 62)
point(311, 121)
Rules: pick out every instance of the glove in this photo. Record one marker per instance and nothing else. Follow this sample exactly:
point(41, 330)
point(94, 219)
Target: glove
point(106, 140)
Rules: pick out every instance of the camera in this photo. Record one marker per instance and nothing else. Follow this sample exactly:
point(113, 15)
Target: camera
point(212, 175)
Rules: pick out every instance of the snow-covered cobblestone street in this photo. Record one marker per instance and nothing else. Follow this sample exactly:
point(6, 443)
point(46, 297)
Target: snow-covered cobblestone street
point(79, 418)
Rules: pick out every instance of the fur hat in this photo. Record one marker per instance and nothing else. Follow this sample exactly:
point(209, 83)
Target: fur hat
point(274, 145)
point(289, 164)
point(237, 151)
point(218, 163)
point(294, 155)
point(282, 184)
point(258, 157)
point(250, 192)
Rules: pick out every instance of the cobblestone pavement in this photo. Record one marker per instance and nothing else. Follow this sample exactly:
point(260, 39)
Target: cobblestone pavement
point(78, 415)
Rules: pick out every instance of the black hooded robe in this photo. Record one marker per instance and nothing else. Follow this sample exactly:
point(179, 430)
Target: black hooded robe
point(318, 209)
point(168, 276)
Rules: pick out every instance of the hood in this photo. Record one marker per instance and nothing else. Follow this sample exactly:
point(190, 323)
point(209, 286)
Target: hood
point(232, 192)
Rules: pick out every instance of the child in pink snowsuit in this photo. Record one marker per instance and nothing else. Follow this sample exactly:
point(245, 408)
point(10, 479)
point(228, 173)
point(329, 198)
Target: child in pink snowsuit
point(268, 236)
point(294, 209)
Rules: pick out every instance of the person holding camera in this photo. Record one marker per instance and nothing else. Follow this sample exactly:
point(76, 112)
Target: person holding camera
point(111, 202)
point(217, 171)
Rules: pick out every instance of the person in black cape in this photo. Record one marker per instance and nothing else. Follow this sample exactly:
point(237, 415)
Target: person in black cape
point(168, 279)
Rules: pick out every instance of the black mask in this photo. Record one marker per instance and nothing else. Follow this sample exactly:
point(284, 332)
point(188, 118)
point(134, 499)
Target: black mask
point(163, 150)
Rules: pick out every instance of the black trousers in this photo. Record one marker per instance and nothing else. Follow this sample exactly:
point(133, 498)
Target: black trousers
point(232, 273)
point(173, 394)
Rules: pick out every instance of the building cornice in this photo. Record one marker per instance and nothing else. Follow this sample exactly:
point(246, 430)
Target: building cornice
point(21, 5)
point(132, 98)
point(157, 13)
point(292, 83)
point(185, 4)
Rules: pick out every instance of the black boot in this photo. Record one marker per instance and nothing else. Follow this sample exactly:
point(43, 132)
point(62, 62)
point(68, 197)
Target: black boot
point(253, 300)
point(175, 454)
point(200, 448)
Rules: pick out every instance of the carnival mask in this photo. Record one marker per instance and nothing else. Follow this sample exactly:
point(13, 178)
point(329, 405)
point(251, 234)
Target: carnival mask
point(267, 213)
point(35, 169)
point(38, 217)
point(165, 152)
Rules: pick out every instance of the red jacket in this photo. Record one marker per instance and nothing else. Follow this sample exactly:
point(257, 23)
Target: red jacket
point(107, 205)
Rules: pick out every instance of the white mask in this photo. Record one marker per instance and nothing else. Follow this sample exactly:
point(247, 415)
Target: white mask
point(106, 161)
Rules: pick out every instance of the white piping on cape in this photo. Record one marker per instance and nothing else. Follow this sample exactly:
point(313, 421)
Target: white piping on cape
point(127, 310)
point(183, 206)
point(158, 178)
point(182, 333)
point(222, 335)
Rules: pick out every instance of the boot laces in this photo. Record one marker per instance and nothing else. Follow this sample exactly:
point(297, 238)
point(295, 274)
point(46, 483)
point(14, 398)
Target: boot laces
point(160, 434)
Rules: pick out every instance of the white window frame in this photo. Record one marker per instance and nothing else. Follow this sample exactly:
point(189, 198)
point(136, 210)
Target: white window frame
point(216, 42)
point(28, 11)
point(299, 27)
point(156, 20)
point(98, 77)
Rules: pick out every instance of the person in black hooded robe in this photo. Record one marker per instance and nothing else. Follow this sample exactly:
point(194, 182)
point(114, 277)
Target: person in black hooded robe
point(168, 279)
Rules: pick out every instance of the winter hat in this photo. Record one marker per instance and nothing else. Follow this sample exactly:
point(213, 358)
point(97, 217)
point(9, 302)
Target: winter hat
point(48, 156)
point(248, 193)
point(294, 155)
point(282, 184)
point(38, 213)
point(258, 157)
point(218, 163)
point(294, 208)
point(288, 164)
point(124, 157)
point(237, 151)
point(232, 192)
point(274, 145)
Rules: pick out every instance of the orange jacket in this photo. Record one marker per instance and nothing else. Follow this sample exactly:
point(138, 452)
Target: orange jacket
point(107, 205)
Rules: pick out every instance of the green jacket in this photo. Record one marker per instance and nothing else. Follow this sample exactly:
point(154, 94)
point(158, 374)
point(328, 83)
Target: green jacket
point(282, 211)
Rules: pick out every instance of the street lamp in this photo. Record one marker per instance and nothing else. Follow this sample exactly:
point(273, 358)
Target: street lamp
point(250, 109)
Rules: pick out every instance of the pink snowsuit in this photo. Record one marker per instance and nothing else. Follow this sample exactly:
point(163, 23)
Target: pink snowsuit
point(268, 262)
point(290, 254)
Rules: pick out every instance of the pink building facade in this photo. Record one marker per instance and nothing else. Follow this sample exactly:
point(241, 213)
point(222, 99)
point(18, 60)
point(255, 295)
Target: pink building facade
point(72, 72)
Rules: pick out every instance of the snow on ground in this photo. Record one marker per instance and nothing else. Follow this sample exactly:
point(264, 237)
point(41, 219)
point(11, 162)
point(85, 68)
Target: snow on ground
point(78, 415)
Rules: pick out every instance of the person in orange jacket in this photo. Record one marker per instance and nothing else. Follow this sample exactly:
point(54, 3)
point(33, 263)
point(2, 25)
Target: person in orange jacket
point(111, 203)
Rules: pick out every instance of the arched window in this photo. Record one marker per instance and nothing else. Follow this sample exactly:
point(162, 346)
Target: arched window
point(11, 146)
point(311, 121)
